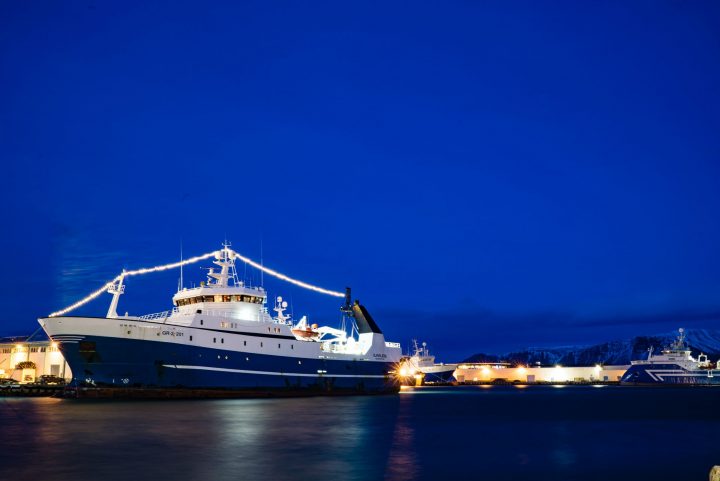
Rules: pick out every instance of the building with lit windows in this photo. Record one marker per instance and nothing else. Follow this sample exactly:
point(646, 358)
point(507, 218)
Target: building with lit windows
point(26, 361)
point(502, 372)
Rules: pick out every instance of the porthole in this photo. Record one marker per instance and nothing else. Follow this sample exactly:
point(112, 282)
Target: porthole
point(278, 346)
point(261, 344)
point(214, 339)
point(201, 322)
point(244, 343)
point(191, 338)
point(222, 341)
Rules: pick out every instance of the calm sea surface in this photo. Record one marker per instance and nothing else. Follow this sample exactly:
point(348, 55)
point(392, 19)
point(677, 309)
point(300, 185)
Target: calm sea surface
point(486, 433)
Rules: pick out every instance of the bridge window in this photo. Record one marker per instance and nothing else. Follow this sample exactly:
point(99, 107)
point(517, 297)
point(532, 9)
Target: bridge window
point(251, 299)
point(227, 298)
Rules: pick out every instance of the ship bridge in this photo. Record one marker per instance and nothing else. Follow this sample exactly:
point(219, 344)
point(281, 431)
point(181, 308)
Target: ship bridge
point(253, 295)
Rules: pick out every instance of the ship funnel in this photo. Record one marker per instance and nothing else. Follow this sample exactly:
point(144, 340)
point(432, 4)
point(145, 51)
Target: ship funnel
point(348, 302)
point(365, 322)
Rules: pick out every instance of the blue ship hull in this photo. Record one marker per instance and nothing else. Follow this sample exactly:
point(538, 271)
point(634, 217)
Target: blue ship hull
point(669, 374)
point(128, 363)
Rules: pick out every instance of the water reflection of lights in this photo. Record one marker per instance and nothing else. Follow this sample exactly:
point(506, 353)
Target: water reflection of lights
point(402, 463)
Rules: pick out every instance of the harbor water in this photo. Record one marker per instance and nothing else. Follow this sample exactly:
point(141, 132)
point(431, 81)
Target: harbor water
point(430, 433)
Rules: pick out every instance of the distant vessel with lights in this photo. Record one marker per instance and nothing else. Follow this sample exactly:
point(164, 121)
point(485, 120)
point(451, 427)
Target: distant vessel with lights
point(422, 362)
point(674, 365)
point(220, 338)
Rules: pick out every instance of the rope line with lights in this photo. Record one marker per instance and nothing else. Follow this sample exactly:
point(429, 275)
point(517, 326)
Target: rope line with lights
point(192, 260)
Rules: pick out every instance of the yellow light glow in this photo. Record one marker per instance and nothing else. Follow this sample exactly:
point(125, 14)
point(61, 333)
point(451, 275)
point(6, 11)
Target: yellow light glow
point(522, 370)
point(53, 345)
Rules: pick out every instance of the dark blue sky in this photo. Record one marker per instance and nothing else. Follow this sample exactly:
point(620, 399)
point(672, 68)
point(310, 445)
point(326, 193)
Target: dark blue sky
point(485, 175)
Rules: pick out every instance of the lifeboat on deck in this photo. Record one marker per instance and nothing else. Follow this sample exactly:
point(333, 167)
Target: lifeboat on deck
point(305, 331)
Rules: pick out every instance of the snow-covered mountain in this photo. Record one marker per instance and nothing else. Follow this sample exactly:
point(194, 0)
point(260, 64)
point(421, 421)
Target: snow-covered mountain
point(616, 352)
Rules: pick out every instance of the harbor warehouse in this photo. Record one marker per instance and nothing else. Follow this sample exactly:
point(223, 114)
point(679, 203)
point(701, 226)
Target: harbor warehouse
point(471, 373)
point(26, 361)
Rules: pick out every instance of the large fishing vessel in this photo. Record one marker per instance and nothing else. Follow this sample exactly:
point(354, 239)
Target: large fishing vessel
point(674, 365)
point(220, 336)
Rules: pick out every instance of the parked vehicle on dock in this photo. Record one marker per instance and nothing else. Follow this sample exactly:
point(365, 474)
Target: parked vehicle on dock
point(49, 379)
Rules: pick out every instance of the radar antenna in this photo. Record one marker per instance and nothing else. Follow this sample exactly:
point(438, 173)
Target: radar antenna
point(280, 307)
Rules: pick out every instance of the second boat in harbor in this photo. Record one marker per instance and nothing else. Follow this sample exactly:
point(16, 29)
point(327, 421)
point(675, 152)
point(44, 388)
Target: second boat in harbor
point(423, 363)
point(674, 365)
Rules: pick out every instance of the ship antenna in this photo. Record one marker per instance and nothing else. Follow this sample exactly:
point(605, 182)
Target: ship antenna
point(181, 267)
point(262, 277)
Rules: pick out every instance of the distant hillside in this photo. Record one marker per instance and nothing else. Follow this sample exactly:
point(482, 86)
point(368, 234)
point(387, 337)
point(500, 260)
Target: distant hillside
point(608, 353)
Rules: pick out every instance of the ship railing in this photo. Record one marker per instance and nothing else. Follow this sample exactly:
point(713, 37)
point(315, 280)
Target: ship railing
point(159, 315)
point(392, 344)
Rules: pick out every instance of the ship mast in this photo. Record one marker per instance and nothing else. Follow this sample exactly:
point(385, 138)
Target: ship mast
point(225, 262)
point(116, 289)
